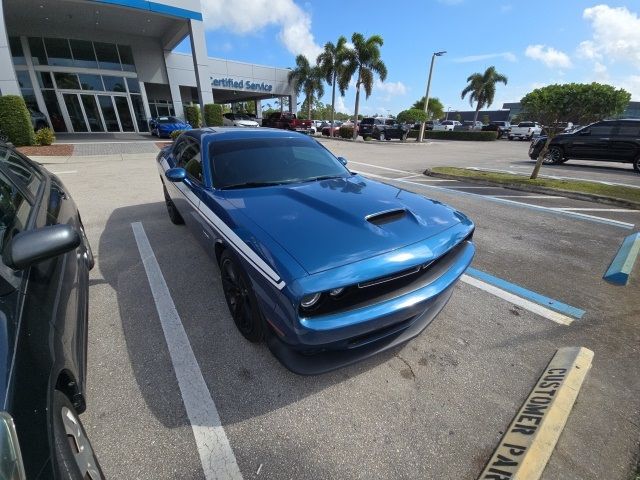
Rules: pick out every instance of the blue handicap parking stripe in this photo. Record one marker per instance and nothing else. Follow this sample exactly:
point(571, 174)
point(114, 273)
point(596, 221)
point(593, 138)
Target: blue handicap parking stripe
point(622, 264)
point(556, 305)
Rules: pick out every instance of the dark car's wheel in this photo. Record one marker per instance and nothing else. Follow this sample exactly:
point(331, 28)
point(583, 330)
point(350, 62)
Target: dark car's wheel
point(241, 300)
point(510, 137)
point(636, 164)
point(554, 156)
point(75, 458)
point(174, 215)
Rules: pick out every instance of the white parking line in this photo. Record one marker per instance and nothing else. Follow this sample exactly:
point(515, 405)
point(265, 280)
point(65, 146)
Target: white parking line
point(474, 187)
point(519, 301)
point(384, 168)
point(66, 171)
point(216, 456)
point(569, 209)
point(527, 196)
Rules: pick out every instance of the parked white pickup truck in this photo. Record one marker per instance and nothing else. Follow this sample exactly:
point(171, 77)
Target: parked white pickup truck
point(525, 131)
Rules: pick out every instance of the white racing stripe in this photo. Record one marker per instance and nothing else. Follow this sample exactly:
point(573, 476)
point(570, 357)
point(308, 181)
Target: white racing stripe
point(519, 301)
point(571, 209)
point(216, 455)
point(553, 197)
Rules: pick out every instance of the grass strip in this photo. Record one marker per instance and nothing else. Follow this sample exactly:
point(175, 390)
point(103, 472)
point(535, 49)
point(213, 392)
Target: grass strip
point(579, 186)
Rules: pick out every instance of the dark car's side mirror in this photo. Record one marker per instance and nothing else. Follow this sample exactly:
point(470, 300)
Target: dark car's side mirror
point(176, 174)
point(33, 246)
point(343, 161)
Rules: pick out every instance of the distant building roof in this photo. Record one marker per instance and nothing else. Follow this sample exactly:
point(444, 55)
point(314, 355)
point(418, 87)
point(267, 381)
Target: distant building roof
point(494, 115)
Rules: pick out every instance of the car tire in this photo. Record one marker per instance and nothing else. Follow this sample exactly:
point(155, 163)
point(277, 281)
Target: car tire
point(510, 137)
point(241, 299)
point(174, 215)
point(636, 164)
point(381, 136)
point(74, 455)
point(554, 156)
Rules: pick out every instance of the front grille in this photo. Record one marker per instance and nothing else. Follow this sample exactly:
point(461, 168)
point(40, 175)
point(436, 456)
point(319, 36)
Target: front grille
point(386, 288)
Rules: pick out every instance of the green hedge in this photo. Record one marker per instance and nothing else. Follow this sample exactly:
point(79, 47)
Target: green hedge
point(175, 134)
point(346, 132)
point(192, 115)
point(213, 115)
point(45, 136)
point(15, 120)
point(461, 135)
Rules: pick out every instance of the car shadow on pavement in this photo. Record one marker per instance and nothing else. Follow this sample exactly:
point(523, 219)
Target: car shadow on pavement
point(245, 379)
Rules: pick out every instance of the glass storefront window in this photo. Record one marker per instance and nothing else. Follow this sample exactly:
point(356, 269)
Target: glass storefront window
point(124, 113)
point(23, 79)
point(51, 101)
point(90, 82)
point(30, 98)
point(138, 108)
point(83, 54)
point(126, 57)
point(114, 84)
point(107, 56)
point(67, 80)
point(44, 79)
point(75, 112)
point(91, 111)
point(38, 54)
point(134, 85)
point(17, 54)
point(58, 52)
point(109, 113)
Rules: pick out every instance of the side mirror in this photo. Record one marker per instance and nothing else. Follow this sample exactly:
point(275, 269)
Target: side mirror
point(33, 246)
point(176, 174)
point(343, 161)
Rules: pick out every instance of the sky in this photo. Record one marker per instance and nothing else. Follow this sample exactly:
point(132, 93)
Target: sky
point(532, 43)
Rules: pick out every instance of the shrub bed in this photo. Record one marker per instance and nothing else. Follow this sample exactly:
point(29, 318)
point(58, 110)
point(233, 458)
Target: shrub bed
point(45, 136)
point(193, 115)
point(469, 136)
point(213, 115)
point(346, 132)
point(15, 121)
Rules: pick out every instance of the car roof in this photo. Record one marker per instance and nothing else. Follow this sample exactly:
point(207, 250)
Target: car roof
point(242, 133)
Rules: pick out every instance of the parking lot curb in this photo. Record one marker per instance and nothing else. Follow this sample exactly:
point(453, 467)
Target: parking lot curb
point(535, 189)
point(528, 443)
point(620, 269)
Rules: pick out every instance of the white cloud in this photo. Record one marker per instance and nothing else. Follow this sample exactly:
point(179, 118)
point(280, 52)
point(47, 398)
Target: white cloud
point(391, 88)
point(486, 56)
point(549, 56)
point(341, 107)
point(616, 35)
point(632, 85)
point(247, 17)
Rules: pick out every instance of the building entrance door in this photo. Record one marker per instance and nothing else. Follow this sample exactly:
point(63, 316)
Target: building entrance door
point(98, 113)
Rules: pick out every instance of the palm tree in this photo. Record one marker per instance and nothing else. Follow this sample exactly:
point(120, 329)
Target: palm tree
point(331, 63)
point(482, 88)
point(307, 79)
point(363, 58)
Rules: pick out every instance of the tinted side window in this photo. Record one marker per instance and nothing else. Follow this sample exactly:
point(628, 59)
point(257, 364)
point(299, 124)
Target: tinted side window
point(191, 160)
point(628, 129)
point(602, 129)
point(14, 214)
point(21, 168)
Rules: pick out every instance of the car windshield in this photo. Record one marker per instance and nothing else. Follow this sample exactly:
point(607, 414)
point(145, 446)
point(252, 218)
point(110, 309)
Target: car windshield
point(167, 120)
point(367, 121)
point(257, 162)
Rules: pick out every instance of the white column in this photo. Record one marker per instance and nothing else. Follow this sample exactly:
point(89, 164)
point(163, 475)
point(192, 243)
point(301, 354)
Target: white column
point(8, 81)
point(174, 87)
point(145, 100)
point(259, 109)
point(200, 62)
point(34, 79)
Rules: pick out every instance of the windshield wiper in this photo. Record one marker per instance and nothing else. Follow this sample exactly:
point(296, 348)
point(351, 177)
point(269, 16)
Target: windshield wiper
point(322, 177)
point(250, 185)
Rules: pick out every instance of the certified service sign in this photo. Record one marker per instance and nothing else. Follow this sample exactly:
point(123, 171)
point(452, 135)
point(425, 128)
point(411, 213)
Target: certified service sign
point(248, 85)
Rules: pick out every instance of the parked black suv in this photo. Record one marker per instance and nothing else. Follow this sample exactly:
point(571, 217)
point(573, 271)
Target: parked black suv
point(608, 140)
point(382, 128)
point(44, 292)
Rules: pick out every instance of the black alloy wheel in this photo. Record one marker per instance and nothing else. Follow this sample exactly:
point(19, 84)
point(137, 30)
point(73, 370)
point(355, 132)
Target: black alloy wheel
point(636, 164)
point(174, 215)
point(554, 156)
point(74, 455)
point(240, 298)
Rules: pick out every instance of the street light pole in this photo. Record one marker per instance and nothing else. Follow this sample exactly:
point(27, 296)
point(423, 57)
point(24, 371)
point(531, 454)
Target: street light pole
point(426, 97)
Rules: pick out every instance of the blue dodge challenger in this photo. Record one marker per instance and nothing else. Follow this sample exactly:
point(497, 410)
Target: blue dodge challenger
point(327, 266)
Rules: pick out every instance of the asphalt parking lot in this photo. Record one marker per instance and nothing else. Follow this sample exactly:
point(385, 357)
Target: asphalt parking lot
point(433, 408)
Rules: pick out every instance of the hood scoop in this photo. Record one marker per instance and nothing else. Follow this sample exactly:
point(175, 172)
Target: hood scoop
point(388, 216)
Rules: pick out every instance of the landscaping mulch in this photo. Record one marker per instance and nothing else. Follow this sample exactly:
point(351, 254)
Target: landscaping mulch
point(56, 150)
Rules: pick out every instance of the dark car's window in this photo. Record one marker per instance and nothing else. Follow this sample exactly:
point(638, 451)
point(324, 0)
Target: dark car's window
point(629, 129)
point(602, 129)
point(265, 161)
point(367, 121)
point(526, 124)
point(14, 214)
point(190, 159)
point(21, 168)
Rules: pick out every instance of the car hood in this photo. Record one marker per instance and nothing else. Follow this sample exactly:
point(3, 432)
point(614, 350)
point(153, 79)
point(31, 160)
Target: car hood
point(330, 223)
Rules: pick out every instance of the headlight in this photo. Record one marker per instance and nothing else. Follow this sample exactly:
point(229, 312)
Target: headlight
point(309, 301)
point(336, 291)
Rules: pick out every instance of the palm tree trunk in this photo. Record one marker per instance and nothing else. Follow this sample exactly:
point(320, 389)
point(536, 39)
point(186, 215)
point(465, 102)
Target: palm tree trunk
point(309, 100)
point(475, 117)
point(333, 102)
point(355, 113)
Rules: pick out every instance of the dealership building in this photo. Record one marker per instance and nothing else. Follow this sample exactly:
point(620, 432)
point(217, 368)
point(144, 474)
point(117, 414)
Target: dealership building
point(109, 66)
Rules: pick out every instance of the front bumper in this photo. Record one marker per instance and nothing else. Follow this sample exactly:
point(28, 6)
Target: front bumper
point(344, 338)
